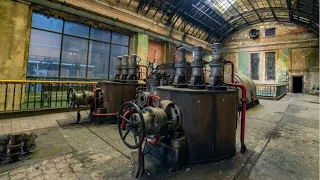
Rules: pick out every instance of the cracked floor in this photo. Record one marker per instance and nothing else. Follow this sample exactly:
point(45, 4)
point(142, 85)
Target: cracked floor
point(282, 138)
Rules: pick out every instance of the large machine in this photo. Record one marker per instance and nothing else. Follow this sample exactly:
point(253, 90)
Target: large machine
point(174, 70)
point(186, 123)
point(105, 98)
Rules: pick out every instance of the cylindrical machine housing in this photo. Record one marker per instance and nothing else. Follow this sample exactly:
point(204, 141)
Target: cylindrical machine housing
point(216, 67)
point(83, 98)
point(154, 119)
point(180, 78)
point(132, 68)
point(209, 121)
point(118, 68)
point(142, 99)
point(124, 68)
point(197, 78)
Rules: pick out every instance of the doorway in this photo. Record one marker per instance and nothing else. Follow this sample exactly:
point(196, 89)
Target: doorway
point(297, 84)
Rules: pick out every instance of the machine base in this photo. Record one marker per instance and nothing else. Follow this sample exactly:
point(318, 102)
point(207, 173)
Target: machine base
point(180, 85)
point(223, 88)
point(102, 119)
point(165, 155)
point(197, 86)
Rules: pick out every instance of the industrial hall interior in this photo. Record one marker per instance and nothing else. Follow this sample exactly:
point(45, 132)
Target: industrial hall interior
point(159, 89)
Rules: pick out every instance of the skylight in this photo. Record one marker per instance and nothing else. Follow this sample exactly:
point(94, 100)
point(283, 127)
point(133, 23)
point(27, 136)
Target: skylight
point(220, 5)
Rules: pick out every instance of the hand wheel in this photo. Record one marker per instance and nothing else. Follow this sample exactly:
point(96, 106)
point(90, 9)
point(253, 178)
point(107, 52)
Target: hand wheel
point(134, 124)
point(71, 99)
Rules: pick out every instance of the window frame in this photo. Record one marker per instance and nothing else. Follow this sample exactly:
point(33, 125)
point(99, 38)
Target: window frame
point(89, 39)
point(258, 77)
point(265, 32)
point(266, 66)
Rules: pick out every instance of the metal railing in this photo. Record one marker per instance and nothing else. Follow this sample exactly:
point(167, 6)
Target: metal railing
point(18, 95)
point(271, 91)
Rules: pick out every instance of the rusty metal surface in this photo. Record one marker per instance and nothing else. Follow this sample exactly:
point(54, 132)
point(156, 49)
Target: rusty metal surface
point(210, 134)
point(225, 124)
point(116, 93)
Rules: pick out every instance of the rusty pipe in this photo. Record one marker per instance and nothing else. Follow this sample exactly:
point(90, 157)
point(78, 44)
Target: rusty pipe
point(232, 70)
point(243, 114)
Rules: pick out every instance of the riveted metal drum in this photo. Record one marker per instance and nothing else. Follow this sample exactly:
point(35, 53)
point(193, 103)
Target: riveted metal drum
point(209, 121)
point(116, 93)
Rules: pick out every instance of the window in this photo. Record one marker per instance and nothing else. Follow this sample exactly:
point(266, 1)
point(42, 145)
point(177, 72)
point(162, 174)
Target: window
point(254, 66)
point(221, 5)
point(270, 65)
point(65, 49)
point(270, 32)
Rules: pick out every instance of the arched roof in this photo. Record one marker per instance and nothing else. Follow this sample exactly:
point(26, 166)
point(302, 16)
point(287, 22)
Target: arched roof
point(213, 20)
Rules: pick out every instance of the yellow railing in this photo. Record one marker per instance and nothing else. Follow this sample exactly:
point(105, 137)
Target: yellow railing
point(17, 95)
point(44, 82)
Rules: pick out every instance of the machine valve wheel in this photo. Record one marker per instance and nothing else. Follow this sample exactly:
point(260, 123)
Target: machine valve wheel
point(71, 99)
point(134, 125)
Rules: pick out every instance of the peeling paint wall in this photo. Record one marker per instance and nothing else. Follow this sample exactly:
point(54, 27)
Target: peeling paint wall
point(296, 48)
point(305, 62)
point(14, 43)
point(141, 49)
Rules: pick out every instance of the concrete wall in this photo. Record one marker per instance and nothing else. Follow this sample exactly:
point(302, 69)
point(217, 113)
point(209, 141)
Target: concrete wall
point(14, 43)
point(296, 48)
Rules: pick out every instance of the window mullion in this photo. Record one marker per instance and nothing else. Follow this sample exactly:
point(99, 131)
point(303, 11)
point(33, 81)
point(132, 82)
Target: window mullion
point(110, 56)
point(88, 53)
point(61, 48)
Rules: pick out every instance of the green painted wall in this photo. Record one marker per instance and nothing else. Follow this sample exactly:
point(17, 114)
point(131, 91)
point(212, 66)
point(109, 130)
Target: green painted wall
point(141, 48)
point(243, 61)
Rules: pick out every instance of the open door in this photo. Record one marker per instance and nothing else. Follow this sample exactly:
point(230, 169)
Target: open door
point(297, 84)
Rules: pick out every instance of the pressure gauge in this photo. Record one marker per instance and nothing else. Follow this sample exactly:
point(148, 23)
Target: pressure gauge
point(154, 65)
point(138, 58)
point(148, 63)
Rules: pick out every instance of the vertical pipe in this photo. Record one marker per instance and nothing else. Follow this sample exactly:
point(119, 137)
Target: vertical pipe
point(14, 95)
point(41, 97)
point(20, 96)
point(67, 93)
point(50, 94)
point(232, 70)
point(57, 88)
point(34, 96)
point(5, 98)
point(243, 114)
point(61, 96)
point(28, 95)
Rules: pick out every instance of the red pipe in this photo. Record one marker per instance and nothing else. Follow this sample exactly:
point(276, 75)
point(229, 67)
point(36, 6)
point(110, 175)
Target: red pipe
point(152, 142)
point(147, 70)
point(123, 123)
point(232, 70)
point(243, 114)
point(107, 114)
point(152, 96)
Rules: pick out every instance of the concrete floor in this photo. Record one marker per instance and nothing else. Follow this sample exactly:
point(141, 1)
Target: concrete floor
point(282, 138)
